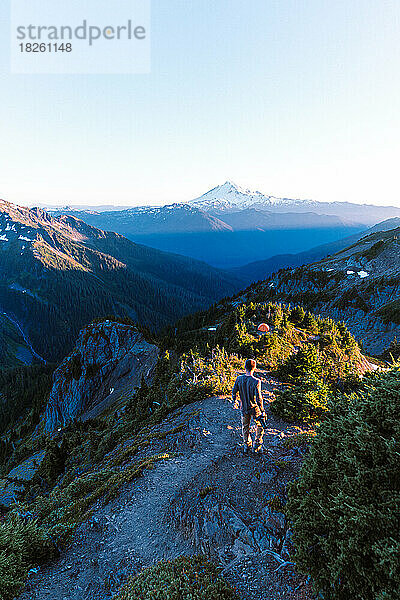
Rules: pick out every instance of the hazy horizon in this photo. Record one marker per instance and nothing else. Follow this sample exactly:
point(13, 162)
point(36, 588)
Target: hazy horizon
point(78, 204)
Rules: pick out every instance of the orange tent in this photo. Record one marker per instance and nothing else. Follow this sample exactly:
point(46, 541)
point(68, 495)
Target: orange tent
point(263, 328)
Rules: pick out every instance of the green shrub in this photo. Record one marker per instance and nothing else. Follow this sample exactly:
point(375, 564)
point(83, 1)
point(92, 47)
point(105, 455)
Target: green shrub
point(303, 364)
point(310, 322)
point(299, 440)
point(272, 349)
point(184, 578)
point(314, 371)
point(276, 504)
point(297, 315)
point(23, 545)
point(92, 370)
point(216, 372)
point(207, 490)
point(346, 504)
point(392, 353)
point(307, 399)
point(52, 465)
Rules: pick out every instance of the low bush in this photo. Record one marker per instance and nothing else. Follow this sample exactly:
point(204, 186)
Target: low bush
point(299, 440)
point(23, 545)
point(304, 363)
point(185, 578)
point(305, 400)
point(307, 396)
point(346, 504)
point(217, 371)
point(392, 353)
point(313, 374)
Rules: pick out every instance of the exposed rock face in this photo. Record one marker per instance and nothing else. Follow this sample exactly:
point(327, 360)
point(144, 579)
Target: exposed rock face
point(23, 473)
point(107, 362)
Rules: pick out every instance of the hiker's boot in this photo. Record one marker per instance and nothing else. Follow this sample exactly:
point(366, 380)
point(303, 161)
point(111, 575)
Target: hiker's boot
point(258, 449)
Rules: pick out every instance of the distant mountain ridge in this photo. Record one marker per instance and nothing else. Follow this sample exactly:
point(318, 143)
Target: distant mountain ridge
point(229, 226)
point(229, 196)
point(184, 218)
point(178, 218)
point(261, 269)
point(59, 273)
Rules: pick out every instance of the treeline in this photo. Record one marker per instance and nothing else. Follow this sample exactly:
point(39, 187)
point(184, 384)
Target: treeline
point(234, 327)
point(64, 304)
point(9, 340)
point(23, 392)
point(70, 285)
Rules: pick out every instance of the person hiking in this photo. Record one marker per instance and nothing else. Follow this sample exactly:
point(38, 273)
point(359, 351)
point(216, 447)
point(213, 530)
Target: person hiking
point(251, 405)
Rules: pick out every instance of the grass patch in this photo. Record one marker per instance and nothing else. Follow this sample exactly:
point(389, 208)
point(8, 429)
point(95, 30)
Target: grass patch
point(282, 464)
point(206, 490)
point(23, 545)
point(64, 509)
point(185, 578)
point(140, 443)
point(299, 440)
point(276, 504)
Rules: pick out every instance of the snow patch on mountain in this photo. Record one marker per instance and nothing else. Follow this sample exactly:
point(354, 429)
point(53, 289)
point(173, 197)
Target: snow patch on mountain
point(231, 196)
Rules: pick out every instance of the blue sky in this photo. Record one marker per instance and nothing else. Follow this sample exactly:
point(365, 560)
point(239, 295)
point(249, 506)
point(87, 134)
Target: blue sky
point(297, 99)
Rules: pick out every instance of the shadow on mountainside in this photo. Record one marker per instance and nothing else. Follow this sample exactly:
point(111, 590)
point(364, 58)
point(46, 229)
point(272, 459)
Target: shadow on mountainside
point(207, 497)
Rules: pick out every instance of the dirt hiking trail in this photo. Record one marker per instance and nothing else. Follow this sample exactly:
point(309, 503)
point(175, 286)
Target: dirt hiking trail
point(208, 497)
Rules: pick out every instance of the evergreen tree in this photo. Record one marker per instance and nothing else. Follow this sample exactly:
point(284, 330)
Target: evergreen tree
point(297, 315)
point(345, 506)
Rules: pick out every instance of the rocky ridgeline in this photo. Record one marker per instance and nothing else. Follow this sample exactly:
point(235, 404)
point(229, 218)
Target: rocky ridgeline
point(108, 359)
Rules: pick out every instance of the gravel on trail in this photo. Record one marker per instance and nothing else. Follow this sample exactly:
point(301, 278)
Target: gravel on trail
point(208, 496)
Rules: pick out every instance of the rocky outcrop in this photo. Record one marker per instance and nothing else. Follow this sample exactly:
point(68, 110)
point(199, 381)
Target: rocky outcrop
point(107, 363)
point(17, 477)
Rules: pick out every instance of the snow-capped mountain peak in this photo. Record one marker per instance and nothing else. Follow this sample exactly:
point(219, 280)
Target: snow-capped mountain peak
point(230, 196)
